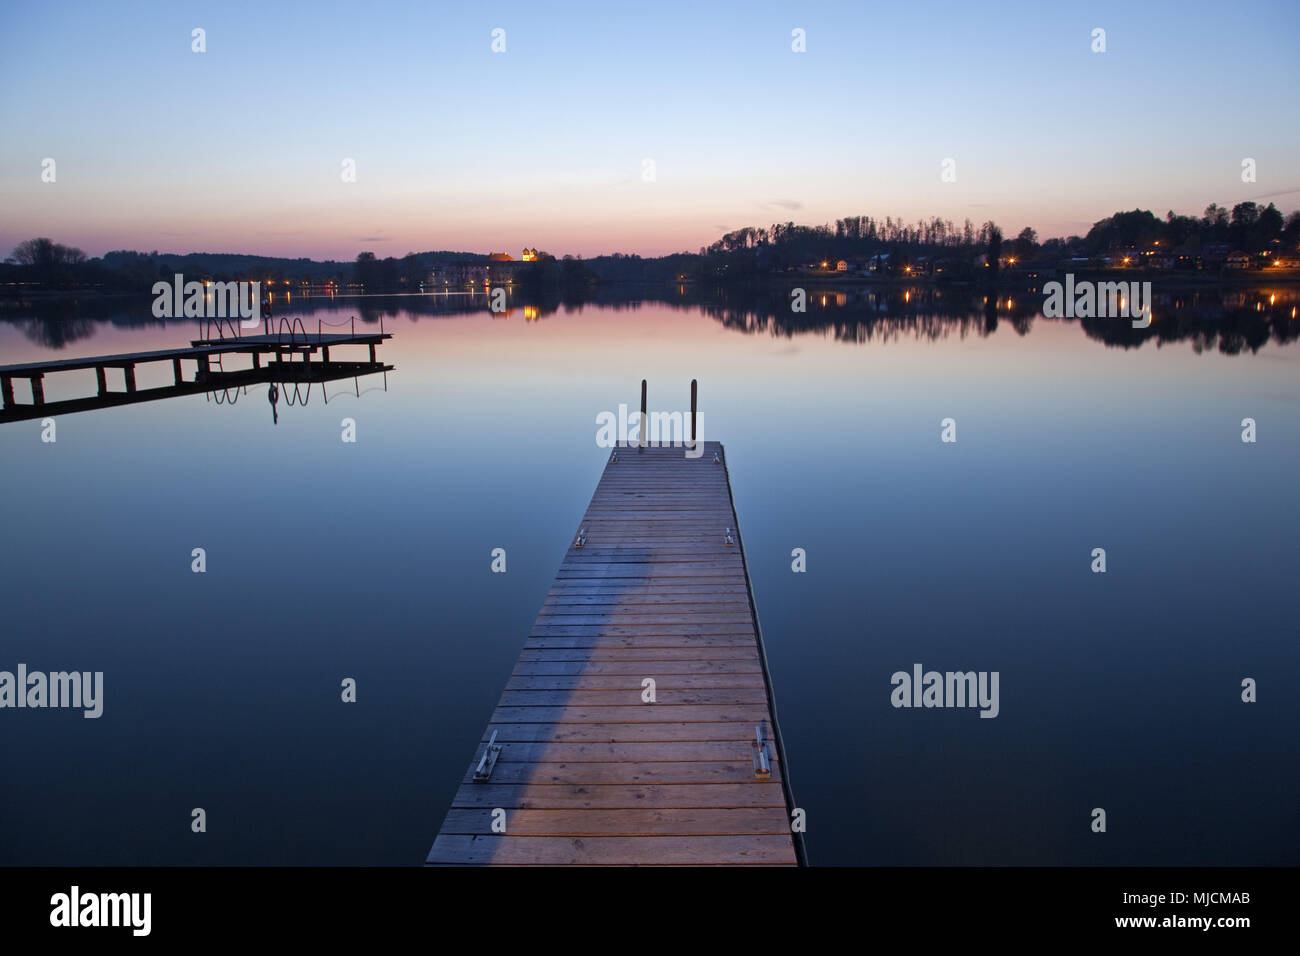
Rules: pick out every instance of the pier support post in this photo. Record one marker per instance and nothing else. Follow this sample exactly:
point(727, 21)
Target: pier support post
point(7, 391)
point(176, 369)
point(38, 390)
point(372, 352)
point(257, 360)
point(128, 372)
point(325, 353)
point(100, 380)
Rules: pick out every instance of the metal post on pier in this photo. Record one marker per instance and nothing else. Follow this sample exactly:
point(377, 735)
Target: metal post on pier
point(645, 422)
point(694, 405)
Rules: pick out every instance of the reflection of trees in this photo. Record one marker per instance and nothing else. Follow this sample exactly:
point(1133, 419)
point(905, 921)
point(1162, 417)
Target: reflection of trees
point(1231, 320)
point(57, 333)
point(856, 314)
point(1234, 320)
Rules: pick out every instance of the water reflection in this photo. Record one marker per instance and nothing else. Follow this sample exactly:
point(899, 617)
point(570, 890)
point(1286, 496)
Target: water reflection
point(1229, 319)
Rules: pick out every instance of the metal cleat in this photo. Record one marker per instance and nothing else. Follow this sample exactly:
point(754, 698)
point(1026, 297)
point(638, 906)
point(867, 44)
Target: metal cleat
point(484, 769)
point(762, 765)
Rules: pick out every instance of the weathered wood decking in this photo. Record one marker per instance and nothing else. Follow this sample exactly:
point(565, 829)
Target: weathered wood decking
point(590, 773)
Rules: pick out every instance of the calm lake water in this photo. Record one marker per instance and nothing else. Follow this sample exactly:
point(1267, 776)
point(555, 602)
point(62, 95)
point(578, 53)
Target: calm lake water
point(370, 560)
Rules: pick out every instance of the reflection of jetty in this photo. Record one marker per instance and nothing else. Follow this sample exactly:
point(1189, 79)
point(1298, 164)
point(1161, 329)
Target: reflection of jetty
point(576, 764)
point(206, 353)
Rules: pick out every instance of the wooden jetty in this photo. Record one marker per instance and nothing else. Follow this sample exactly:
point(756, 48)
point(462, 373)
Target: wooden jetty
point(202, 352)
point(587, 771)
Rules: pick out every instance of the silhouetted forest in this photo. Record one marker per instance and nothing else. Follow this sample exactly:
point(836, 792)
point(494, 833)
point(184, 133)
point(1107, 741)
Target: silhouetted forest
point(1240, 238)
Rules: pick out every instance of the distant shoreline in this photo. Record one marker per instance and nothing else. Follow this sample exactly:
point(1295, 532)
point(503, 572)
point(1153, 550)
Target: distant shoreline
point(1166, 279)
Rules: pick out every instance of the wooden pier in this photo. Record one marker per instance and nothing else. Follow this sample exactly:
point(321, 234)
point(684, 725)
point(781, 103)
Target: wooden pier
point(202, 352)
point(577, 763)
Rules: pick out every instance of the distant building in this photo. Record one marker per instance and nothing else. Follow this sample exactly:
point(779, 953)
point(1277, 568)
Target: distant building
point(530, 255)
point(500, 257)
point(455, 274)
point(1238, 260)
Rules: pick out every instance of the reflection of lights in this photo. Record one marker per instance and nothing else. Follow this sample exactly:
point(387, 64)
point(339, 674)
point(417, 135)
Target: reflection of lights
point(1272, 299)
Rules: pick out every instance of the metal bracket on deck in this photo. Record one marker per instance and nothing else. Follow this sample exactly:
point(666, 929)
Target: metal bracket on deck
point(484, 769)
point(762, 766)
point(717, 460)
point(613, 457)
point(728, 539)
point(581, 539)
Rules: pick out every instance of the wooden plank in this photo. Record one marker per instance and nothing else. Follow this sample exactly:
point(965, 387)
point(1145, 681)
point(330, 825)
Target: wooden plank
point(632, 684)
point(726, 731)
point(638, 751)
point(561, 639)
point(621, 668)
point(665, 696)
point(543, 796)
point(509, 850)
point(595, 773)
point(631, 714)
point(586, 822)
point(737, 653)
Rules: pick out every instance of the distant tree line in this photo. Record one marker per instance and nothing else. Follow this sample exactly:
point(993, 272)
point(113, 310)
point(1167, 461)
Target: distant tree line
point(749, 252)
point(1247, 227)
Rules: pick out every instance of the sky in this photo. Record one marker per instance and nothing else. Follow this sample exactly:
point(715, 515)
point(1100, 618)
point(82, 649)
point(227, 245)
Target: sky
point(242, 148)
